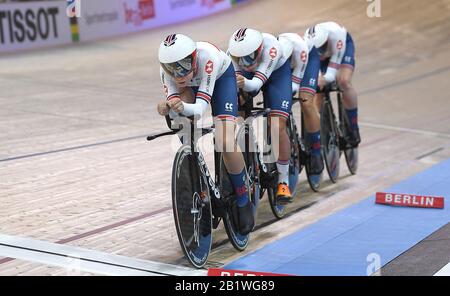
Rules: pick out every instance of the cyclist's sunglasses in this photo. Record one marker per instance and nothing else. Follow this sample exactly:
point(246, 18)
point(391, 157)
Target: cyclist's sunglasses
point(250, 59)
point(181, 68)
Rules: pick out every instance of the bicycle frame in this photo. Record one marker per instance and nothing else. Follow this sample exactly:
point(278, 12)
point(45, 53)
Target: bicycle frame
point(198, 158)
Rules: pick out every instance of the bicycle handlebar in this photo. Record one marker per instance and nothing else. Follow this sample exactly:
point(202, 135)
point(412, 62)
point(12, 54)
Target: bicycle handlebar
point(330, 87)
point(173, 131)
point(152, 137)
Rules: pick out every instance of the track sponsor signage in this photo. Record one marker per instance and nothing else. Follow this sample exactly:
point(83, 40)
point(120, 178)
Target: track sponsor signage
point(106, 18)
point(31, 25)
point(409, 200)
point(46, 23)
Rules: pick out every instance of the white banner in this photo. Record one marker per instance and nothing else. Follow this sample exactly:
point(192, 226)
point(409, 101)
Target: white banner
point(106, 18)
point(32, 25)
point(44, 23)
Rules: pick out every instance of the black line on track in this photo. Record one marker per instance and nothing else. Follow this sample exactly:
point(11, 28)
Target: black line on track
point(72, 148)
point(429, 153)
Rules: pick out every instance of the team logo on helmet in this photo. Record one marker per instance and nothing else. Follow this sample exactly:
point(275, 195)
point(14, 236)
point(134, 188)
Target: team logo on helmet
point(209, 67)
point(170, 40)
point(303, 56)
point(240, 35)
point(339, 44)
point(273, 52)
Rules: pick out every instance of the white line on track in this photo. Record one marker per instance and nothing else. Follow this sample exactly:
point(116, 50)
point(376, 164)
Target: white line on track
point(445, 271)
point(404, 129)
point(75, 258)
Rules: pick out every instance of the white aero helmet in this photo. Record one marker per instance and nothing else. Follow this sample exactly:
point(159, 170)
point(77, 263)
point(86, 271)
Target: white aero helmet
point(317, 36)
point(245, 46)
point(178, 55)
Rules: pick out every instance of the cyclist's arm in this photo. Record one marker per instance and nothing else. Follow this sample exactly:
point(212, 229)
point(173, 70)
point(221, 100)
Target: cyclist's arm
point(210, 68)
point(170, 90)
point(338, 46)
point(253, 85)
point(270, 58)
point(197, 109)
point(311, 74)
point(300, 57)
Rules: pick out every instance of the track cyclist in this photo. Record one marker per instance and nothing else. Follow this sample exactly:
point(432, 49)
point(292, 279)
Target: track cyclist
point(337, 54)
point(260, 64)
point(305, 64)
point(191, 68)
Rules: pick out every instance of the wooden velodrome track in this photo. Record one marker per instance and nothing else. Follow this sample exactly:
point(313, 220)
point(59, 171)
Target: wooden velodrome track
point(75, 168)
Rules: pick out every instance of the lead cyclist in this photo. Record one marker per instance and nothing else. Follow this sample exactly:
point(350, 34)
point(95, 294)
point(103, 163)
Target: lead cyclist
point(194, 75)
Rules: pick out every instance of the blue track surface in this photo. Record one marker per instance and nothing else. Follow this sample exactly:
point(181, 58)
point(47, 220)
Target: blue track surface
point(340, 244)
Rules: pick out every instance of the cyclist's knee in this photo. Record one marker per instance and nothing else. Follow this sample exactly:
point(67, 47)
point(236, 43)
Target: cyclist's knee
point(306, 100)
point(278, 122)
point(224, 136)
point(344, 83)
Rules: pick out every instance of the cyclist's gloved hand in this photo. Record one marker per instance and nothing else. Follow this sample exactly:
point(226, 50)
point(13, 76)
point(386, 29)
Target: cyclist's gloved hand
point(176, 105)
point(240, 80)
point(163, 108)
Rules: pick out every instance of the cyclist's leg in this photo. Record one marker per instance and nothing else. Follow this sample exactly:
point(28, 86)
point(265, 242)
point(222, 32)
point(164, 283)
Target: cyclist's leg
point(311, 114)
point(350, 97)
point(278, 92)
point(225, 106)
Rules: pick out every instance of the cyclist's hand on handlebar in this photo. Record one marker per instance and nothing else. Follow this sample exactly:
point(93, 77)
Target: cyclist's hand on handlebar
point(163, 108)
point(240, 81)
point(176, 105)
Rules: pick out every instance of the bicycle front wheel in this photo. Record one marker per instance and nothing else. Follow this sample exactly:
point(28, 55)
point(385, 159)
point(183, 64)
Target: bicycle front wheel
point(330, 137)
point(191, 207)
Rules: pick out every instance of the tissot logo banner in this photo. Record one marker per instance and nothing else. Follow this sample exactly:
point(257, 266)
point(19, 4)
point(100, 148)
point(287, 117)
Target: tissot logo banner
point(42, 23)
point(28, 25)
